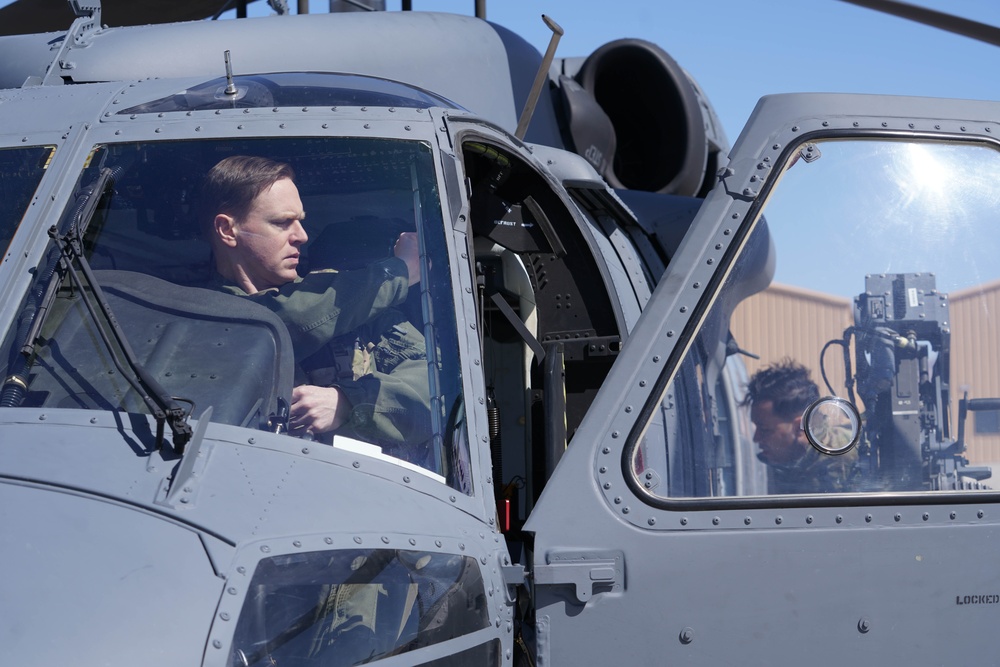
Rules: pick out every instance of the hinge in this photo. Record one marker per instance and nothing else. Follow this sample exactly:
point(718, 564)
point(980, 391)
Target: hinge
point(513, 575)
point(444, 138)
point(752, 175)
point(589, 572)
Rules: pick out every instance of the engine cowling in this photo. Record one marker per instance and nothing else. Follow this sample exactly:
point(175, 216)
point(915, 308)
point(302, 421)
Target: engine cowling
point(666, 136)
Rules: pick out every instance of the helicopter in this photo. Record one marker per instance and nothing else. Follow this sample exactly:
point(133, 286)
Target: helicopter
point(594, 299)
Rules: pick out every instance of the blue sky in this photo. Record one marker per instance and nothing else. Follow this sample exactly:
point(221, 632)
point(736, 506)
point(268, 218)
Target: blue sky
point(739, 50)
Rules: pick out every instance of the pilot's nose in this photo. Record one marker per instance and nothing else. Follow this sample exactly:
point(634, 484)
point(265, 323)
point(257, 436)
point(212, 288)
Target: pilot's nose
point(299, 235)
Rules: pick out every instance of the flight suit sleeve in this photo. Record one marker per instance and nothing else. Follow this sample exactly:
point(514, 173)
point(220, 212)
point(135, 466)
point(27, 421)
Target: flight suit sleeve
point(391, 405)
point(324, 305)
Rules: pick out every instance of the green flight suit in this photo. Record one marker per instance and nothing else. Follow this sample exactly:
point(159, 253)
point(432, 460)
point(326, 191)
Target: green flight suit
point(815, 472)
point(345, 333)
point(326, 304)
point(382, 368)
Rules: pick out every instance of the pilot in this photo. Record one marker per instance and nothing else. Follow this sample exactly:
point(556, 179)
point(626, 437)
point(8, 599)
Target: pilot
point(778, 396)
point(363, 364)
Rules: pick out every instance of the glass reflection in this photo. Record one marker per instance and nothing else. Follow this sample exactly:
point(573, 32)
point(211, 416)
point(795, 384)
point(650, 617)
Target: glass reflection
point(832, 425)
point(21, 169)
point(352, 607)
point(871, 275)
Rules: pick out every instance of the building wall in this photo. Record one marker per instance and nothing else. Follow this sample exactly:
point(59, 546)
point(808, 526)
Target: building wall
point(975, 358)
point(809, 319)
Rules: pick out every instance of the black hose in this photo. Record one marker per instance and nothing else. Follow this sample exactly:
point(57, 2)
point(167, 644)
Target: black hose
point(15, 386)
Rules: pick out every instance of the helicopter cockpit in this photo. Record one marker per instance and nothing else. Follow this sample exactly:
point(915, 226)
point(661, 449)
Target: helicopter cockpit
point(561, 269)
point(127, 293)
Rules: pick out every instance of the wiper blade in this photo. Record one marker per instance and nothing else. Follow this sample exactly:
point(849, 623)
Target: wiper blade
point(164, 407)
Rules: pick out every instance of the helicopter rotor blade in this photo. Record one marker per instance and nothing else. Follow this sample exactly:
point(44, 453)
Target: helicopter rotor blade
point(955, 24)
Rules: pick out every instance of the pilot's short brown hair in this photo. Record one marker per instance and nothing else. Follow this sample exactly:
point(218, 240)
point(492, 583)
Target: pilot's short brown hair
point(233, 183)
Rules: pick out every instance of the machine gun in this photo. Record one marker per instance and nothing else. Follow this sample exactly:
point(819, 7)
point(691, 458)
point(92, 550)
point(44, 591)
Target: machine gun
point(902, 354)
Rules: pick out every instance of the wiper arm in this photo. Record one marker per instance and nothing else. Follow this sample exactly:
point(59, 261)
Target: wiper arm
point(164, 408)
point(161, 404)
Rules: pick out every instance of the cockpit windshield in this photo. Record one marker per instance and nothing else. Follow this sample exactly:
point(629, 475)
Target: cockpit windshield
point(294, 89)
point(20, 171)
point(284, 283)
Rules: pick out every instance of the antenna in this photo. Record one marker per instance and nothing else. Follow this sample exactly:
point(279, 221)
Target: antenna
point(230, 86)
point(543, 69)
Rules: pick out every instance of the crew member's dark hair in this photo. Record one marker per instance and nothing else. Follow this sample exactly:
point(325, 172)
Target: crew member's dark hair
point(786, 384)
point(233, 183)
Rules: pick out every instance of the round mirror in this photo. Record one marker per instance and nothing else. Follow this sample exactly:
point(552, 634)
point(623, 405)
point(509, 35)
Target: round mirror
point(832, 425)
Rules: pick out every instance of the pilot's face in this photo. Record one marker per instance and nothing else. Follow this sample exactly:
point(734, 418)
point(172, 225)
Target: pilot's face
point(780, 440)
point(269, 237)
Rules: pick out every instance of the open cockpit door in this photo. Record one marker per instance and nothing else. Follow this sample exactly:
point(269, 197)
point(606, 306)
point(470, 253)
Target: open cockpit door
point(803, 423)
point(559, 284)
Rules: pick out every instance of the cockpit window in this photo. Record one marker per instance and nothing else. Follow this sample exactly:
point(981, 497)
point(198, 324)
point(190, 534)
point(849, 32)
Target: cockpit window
point(21, 169)
point(295, 89)
point(871, 276)
point(356, 606)
point(285, 284)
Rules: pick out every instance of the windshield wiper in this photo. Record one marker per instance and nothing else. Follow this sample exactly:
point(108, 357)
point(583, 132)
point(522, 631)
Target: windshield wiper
point(164, 407)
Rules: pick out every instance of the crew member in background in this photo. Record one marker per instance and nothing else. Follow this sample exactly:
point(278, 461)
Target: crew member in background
point(778, 395)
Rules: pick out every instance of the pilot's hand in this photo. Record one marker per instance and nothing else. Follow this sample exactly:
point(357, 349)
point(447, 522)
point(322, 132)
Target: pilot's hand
point(407, 248)
point(317, 409)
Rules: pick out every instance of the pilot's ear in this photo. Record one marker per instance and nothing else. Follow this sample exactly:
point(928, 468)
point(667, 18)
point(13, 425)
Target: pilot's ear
point(225, 229)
